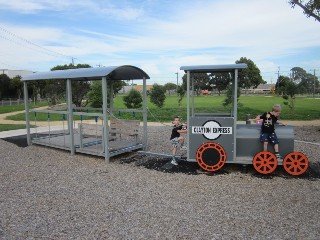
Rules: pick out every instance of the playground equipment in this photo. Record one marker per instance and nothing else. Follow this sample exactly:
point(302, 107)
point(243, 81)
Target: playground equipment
point(215, 139)
point(93, 134)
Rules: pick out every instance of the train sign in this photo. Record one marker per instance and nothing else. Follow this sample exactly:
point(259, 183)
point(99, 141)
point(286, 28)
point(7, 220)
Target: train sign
point(211, 130)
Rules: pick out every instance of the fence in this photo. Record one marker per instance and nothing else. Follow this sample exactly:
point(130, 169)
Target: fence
point(14, 101)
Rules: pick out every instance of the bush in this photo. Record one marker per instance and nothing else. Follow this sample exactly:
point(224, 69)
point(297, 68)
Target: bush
point(133, 99)
point(157, 95)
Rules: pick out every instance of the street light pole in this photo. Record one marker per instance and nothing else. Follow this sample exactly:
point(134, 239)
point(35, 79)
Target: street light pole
point(314, 82)
point(177, 81)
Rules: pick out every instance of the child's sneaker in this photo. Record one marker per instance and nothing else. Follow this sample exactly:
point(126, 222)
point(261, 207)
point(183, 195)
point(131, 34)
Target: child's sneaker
point(174, 162)
point(278, 156)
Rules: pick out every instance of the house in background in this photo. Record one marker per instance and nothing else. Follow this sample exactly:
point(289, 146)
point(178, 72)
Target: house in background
point(261, 89)
point(126, 89)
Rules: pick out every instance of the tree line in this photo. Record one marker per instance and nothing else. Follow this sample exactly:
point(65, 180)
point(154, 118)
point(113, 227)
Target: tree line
point(89, 92)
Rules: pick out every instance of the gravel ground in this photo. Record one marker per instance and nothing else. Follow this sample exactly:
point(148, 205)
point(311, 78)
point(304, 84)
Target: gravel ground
point(49, 194)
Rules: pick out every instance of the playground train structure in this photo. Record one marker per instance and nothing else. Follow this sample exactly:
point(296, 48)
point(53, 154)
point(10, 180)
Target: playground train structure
point(213, 138)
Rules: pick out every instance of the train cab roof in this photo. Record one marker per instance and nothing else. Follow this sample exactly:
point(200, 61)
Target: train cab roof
point(213, 68)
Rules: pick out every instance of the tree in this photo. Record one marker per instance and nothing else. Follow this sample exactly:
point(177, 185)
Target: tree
point(157, 95)
point(95, 93)
point(229, 96)
point(169, 87)
point(306, 82)
point(56, 88)
point(181, 93)
point(16, 86)
point(249, 77)
point(287, 88)
point(281, 84)
point(133, 99)
point(5, 85)
point(220, 80)
point(311, 8)
point(289, 95)
point(201, 81)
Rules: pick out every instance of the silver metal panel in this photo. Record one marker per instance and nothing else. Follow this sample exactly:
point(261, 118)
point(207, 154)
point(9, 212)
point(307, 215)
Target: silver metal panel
point(225, 140)
point(213, 68)
point(125, 72)
point(248, 140)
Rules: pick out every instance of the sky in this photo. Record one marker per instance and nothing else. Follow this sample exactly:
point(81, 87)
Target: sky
point(158, 36)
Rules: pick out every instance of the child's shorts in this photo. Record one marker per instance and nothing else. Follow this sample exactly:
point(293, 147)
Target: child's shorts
point(175, 142)
point(269, 137)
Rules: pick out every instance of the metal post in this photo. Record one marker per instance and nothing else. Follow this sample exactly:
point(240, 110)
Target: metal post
point(188, 114)
point(26, 107)
point(70, 116)
point(192, 95)
point(105, 120)
point(235, 112)
point(314, 82)
point(177, 83)
point(111, 97)
point(145, 115)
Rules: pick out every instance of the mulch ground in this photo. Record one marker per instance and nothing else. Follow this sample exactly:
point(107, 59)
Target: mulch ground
point(164, 165)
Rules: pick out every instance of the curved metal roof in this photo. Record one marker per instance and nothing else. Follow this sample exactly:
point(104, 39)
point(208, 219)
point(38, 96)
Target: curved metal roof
point(213, 68)
point(125, 72)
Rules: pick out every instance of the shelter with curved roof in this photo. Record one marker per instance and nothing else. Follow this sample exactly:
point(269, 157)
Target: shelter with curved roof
point(110, 74)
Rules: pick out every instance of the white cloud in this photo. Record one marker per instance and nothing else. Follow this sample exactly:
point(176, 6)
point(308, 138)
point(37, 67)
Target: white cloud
point(202, 32)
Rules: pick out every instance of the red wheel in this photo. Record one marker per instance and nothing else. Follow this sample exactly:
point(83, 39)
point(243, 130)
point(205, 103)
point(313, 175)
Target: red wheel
point(295, 163)
point(211, 156)
point(265, 162)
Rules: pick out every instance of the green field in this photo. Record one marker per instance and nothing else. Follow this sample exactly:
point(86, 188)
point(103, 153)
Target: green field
point(305, 108)
point(8, 127)
point(20, 107)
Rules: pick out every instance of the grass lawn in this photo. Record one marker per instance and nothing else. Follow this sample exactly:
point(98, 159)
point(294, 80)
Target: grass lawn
point(305, 108)
point(8, 127)
point(20, 107)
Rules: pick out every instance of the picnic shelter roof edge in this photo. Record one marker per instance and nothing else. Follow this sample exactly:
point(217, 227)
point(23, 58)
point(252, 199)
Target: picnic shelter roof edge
point(125, 72)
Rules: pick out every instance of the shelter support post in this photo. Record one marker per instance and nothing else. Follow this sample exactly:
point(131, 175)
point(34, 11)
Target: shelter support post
point(192, 94)
point(111, 97)
point(145, 134)
point(105, 120)
point(188, 113)
point(70, 116)
point(235, 112)
point(26, 107)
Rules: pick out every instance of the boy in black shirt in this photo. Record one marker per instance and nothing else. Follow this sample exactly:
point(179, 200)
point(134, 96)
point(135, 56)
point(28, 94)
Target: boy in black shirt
point(267, 129)
point(176, 138)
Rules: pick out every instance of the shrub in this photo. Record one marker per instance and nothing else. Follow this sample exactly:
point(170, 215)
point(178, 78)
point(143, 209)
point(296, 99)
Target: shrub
point(133, 99)
point(157, 95)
